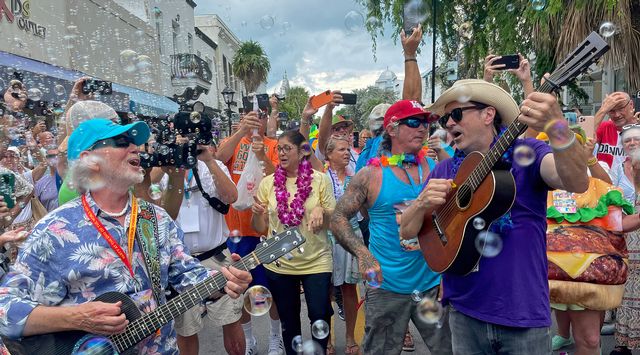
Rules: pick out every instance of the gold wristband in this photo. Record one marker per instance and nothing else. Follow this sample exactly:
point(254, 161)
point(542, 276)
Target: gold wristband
point(592, 161)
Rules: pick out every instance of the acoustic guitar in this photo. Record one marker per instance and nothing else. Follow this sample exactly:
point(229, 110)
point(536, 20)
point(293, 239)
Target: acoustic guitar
point(447, 237)
point(141, 326)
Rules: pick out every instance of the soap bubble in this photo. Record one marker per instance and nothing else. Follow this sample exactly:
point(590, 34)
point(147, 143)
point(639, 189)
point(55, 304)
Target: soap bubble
point(371, 279)
point(155, 191)
point(478, 223)
point(34, 94)
point(59, 90)
point(286, 26)
point(353, 21)
point(234, 236)
point(524, 155)
point(538, 4)
point(488, 244)
point(416, 296)
point(266, 22)
point(320, 329)
point(429, 310)
point(607, 29)
point(128, 59)
point(89, 109)
point(257, 300)
point(296, 343)
point(195, 117)
point(510, 7)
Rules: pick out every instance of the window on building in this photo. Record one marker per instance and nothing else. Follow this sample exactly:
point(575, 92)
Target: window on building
point(226, 71)
point(159, 30)
point(190, 42)
point(176, 33)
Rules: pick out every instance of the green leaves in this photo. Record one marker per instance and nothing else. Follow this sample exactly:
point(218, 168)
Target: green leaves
point(251, 65)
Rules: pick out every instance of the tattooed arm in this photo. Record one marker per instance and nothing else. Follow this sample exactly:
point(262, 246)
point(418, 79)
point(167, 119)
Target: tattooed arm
point(353, 199)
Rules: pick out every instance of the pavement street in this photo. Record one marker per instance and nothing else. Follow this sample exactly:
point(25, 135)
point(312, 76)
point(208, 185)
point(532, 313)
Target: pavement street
point(211, 338)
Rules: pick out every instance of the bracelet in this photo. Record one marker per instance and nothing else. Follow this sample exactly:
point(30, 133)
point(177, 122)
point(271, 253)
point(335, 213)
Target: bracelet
point(410, 60)
point(564, 146)
point(592, 161)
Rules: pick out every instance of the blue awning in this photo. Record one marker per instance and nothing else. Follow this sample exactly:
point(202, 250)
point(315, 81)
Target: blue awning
point(44, 75)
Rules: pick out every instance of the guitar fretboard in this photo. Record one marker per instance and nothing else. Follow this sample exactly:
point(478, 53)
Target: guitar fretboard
point(146, 325)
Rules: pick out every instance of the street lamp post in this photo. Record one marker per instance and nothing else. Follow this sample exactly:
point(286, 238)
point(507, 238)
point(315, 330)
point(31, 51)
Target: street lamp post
point(227, 95)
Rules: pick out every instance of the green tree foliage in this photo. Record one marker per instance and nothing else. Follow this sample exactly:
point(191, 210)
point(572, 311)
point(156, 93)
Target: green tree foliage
point(296, 99)
point(368, 98)
point(251, 65)
point(543, 30)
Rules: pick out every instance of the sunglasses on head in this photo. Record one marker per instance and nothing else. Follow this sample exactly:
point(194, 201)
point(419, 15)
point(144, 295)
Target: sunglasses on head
point(456, 114)
point(414, 122)
point(119, 141)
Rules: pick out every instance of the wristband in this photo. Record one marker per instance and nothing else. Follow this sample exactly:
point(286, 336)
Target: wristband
point(410, 60)
point(592, 161)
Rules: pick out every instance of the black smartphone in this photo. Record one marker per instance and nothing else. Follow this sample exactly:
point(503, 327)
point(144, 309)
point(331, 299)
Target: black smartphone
point(356, 139)
point(349, 99)
point(511, 61)
point(103, 87)
point(7, 188)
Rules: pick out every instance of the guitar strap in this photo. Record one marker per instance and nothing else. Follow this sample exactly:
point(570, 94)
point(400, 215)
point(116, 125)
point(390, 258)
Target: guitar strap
point(146, 234)
point(213, 201)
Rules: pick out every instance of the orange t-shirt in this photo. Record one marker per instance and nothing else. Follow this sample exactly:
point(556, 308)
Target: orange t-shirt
point(241, 220)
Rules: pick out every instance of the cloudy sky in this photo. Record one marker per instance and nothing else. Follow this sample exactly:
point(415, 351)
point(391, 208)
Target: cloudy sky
point(311, 41)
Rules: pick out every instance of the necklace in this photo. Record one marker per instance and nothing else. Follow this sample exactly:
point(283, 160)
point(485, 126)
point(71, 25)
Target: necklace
point(117, 214)
point(291, 214)
point(398, 159)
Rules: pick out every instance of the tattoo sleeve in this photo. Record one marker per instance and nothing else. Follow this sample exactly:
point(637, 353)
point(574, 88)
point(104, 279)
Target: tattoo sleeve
point(353, 199)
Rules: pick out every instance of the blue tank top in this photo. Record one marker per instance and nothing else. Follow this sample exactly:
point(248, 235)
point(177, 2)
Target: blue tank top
point(403, 271)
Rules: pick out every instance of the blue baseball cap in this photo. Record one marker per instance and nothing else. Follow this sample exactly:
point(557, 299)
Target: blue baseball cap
point(93, 130)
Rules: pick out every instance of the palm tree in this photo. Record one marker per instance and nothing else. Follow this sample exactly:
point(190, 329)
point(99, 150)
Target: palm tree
point(251, 65)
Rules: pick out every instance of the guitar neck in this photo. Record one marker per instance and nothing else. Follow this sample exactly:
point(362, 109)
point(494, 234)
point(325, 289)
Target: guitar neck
point(146, 325)
point(515, 129)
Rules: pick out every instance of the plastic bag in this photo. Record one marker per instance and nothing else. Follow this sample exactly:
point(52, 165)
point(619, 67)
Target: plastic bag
point(248, 184)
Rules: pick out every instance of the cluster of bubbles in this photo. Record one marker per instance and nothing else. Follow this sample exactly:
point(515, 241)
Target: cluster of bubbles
point(132, 62)
point(257, 300)
point(487, 243)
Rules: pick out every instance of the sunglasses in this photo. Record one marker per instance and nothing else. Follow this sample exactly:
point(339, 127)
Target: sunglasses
point(120, 141)
point(456, 114)
point(414, 122)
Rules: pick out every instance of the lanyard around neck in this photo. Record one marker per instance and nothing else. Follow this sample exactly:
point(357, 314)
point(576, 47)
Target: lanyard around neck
point(107, 236)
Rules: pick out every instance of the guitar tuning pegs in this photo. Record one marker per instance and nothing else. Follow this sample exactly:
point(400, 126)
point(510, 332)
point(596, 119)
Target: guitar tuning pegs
point(277, 263)
point(300, 250)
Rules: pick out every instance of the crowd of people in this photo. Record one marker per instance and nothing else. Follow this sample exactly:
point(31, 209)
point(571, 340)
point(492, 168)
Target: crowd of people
point(81, 217)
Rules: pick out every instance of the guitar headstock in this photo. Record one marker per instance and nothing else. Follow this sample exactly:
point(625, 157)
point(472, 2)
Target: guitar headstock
point(585, 54)
point(271, 249)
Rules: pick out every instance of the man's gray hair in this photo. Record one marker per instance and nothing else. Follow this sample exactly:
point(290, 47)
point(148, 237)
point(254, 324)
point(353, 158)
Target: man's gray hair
point(81, 177)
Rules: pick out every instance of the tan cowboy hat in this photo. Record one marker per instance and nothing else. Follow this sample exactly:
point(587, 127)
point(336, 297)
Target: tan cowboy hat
point(479, 91)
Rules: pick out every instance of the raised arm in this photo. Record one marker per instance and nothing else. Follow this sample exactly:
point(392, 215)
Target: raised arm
point(353, 199)
point(617, 100)
point(272, 123)
point(324, 130)
point(566, 168)
point(412, 86)
point(249, 122)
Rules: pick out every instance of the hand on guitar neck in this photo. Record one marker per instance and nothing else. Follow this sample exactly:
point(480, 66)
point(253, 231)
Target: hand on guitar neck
point(433, 196)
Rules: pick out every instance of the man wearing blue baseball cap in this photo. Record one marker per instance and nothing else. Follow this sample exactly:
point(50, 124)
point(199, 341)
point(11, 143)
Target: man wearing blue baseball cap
point(105, 240)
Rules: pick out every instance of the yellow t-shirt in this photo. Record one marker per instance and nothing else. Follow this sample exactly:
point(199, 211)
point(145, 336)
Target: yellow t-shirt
point(316, 257)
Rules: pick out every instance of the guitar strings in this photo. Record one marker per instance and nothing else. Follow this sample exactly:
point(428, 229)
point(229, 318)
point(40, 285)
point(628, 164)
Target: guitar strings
point(139, 325)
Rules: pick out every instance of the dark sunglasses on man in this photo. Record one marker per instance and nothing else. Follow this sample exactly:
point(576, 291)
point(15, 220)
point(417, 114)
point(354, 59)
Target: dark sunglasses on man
point(414, 122)
point(119, 141)
point(456, 114)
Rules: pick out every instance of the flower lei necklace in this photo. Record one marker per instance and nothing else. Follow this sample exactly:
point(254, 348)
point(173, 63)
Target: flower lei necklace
point(398, 159)
point(291, 215)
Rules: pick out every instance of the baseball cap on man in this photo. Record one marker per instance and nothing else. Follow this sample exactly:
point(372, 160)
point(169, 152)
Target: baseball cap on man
point(404, 109)
point(91, 131)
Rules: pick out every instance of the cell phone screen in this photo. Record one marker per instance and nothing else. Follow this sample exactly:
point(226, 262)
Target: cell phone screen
point(510, 61)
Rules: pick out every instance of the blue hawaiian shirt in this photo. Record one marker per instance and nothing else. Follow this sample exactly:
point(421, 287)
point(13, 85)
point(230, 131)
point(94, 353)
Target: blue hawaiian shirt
point(65, 261)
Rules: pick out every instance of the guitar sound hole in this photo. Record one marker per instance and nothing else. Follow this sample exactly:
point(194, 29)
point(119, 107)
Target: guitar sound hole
point(463, 196)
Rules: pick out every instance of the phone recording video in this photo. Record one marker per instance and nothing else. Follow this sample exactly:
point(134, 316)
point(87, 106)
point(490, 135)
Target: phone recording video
point(511, 61)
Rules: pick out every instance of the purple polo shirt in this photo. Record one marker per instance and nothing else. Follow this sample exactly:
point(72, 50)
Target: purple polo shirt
point(510, 289)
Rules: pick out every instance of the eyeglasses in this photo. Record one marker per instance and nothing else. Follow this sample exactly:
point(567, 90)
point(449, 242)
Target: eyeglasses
point(456, 114)
point(120, 141)
point(621, 108)
point(284, 149)
point(414, 122)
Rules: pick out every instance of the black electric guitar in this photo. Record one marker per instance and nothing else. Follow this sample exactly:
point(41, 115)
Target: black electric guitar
point(141, 326)
point(447, 237)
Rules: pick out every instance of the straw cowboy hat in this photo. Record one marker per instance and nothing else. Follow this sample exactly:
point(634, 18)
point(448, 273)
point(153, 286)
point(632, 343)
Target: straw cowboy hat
point(479, 91)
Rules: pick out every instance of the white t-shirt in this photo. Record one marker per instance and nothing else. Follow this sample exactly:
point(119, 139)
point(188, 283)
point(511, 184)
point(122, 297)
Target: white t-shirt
point(204, 228)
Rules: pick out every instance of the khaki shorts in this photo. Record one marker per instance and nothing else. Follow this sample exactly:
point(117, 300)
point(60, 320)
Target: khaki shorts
point(224, 311)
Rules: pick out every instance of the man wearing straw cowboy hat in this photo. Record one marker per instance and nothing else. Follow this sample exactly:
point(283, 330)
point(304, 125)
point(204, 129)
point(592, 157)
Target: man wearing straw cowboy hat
point(503, 305)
